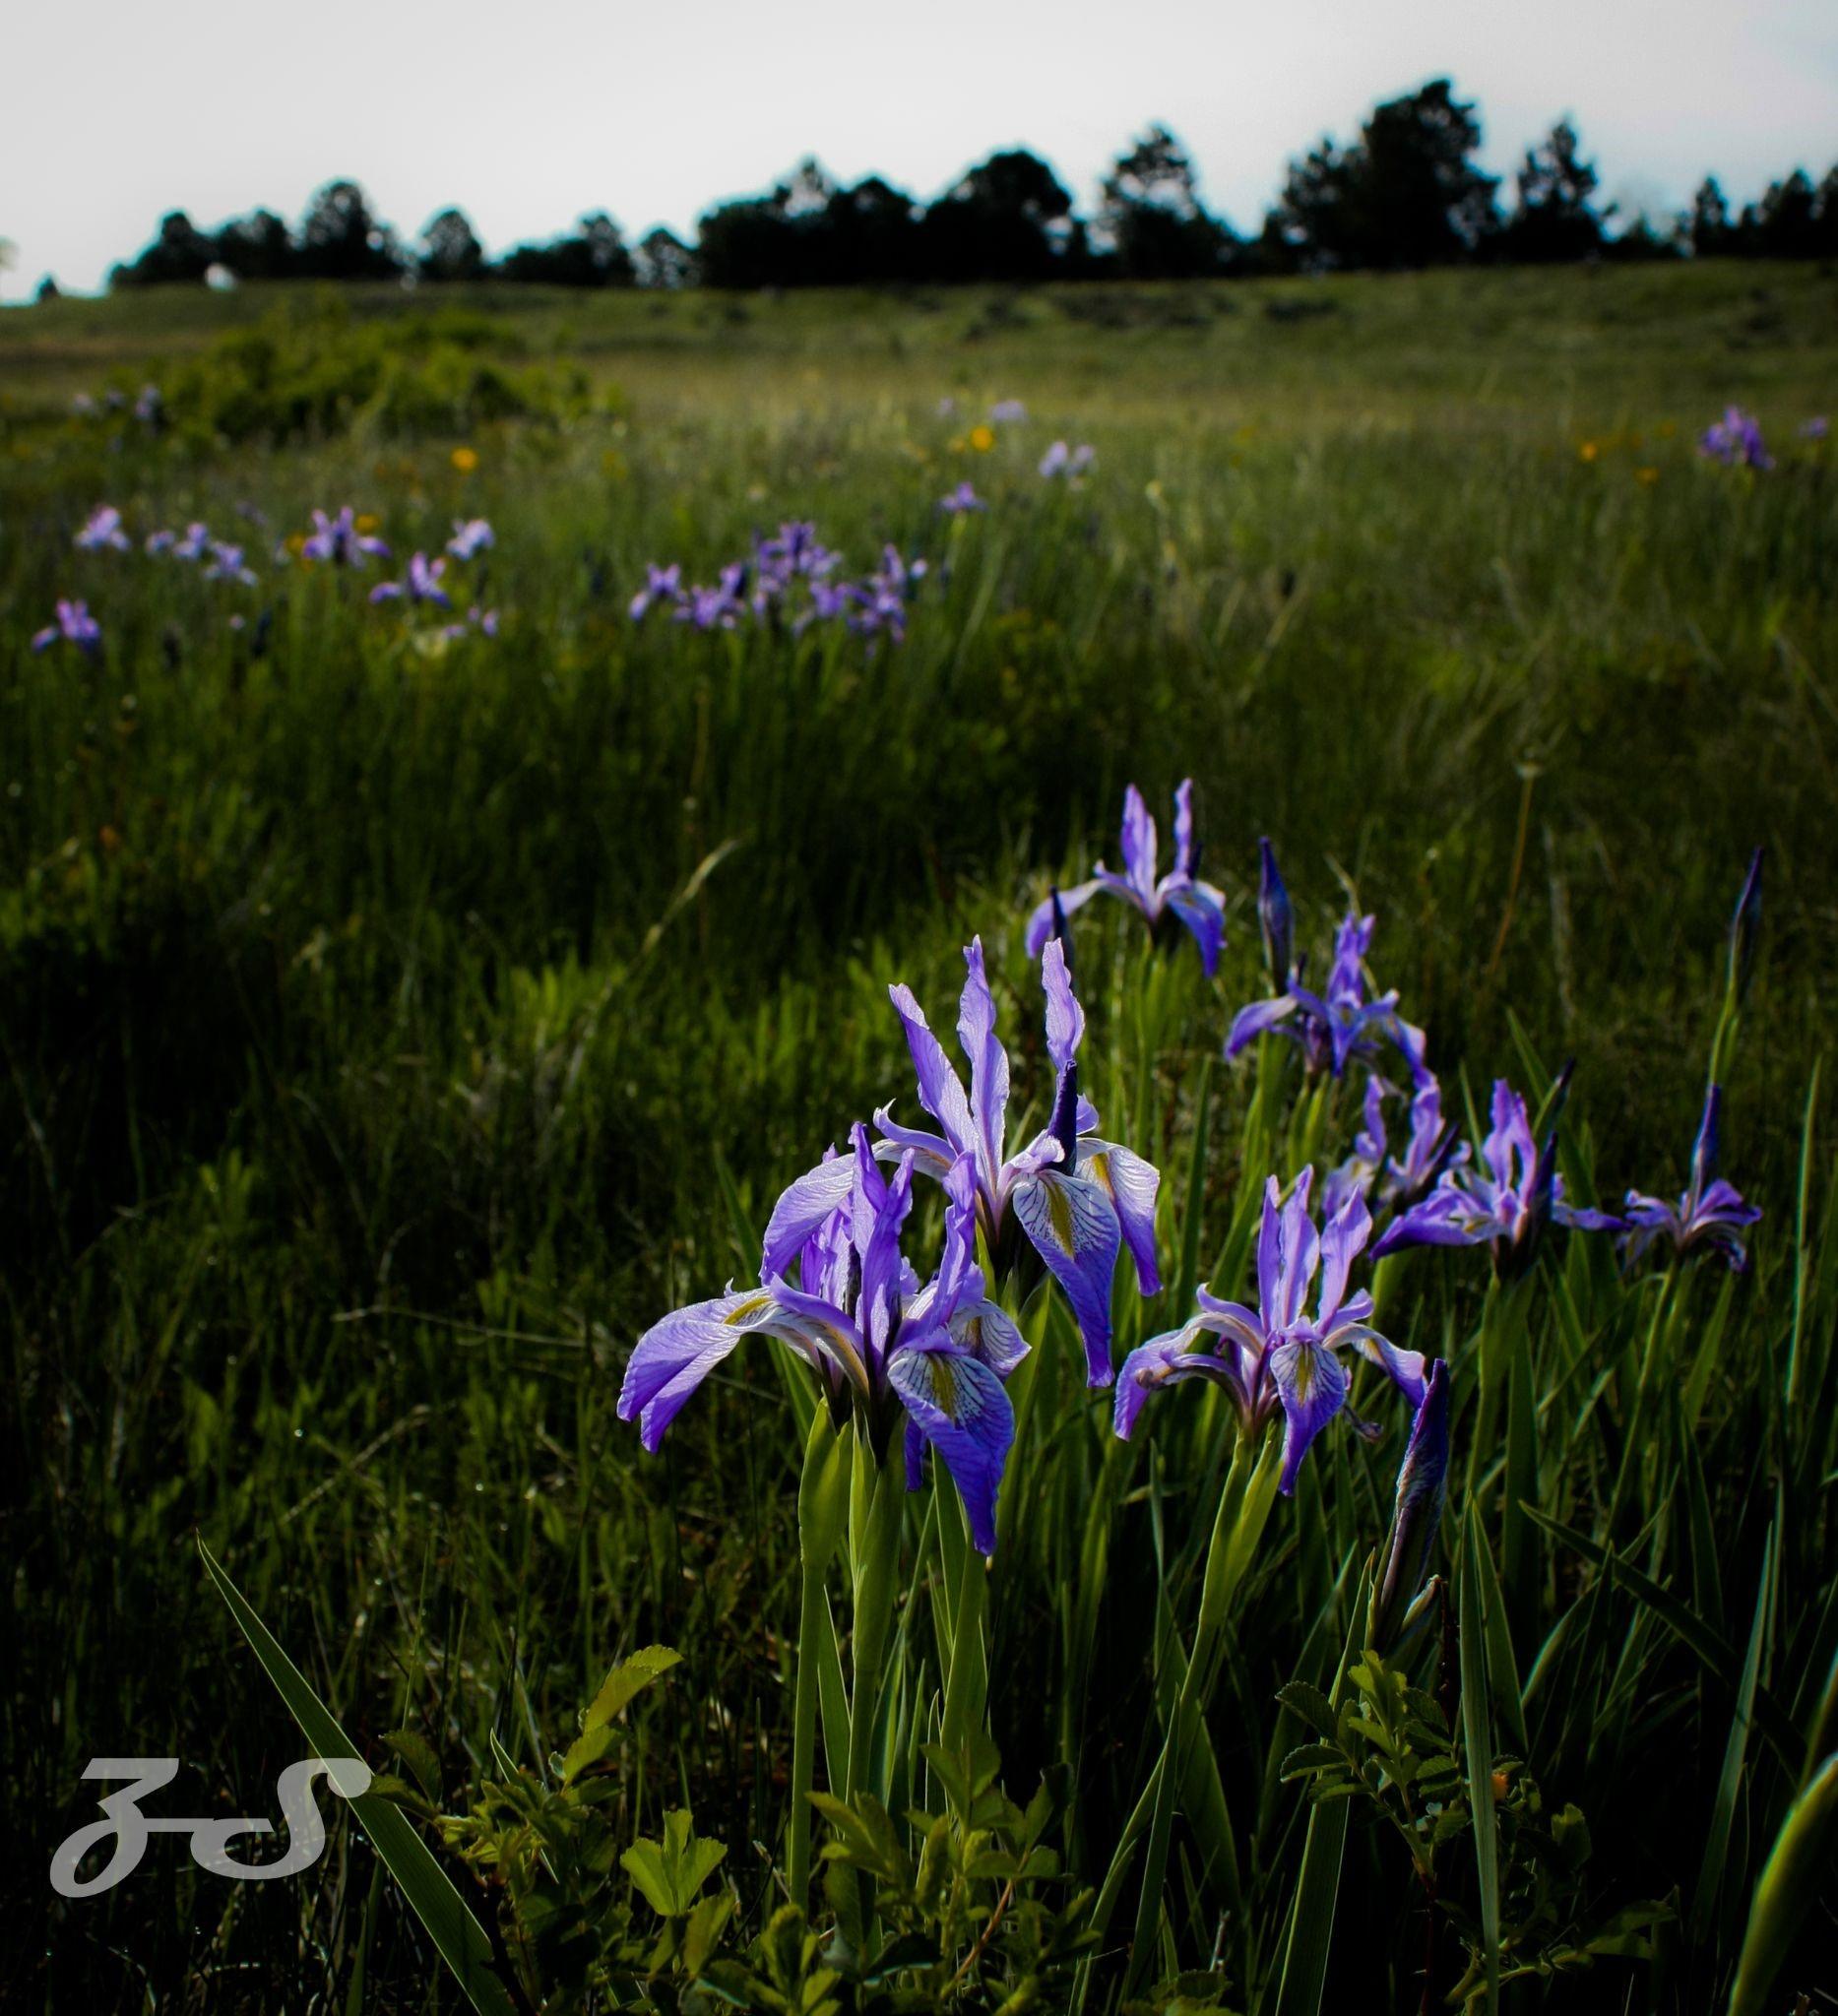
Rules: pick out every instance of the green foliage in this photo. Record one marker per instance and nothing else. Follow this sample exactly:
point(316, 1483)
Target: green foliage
point(1389, 1747)
point(315, 376)
point(374, 1031)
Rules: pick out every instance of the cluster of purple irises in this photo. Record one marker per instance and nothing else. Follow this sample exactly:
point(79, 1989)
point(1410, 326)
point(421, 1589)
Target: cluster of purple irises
point(928, 1356)
point(792, 580)
point(335, 539)
point(1736, 439)
point(423, 580)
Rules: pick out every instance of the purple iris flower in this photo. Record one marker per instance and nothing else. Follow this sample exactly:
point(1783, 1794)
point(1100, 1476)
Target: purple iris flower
point(1198, 905)
point(1276, 921)
point(1278, 1355)
point(960, 500)
point(1008, 412)
point(1340, 1027)
point(422, 583)
point(161, 541)
point(1401, 1604)
point(1710, 1216)
point(1430, 1148)
point(149, 406)
point(1504, 1199)
point(74, 625)
point(195, 545)
point(662, 584)
point(102, 529)
point(226, 564)
point(719, 607)
point(1060, 460)
point(793, 550)
point(471, 537)
point(880, 1345)
point(1736, 438)
point(339, 540)
point(483, 622)
point(1815, 429)
point(879, 603)
point(1077, 1199)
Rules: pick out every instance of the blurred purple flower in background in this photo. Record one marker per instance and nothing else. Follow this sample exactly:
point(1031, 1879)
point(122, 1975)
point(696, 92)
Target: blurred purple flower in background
point(1815, 429)
point(1736, 438)
point(662, 584)
point(471, 537)
point(74, 625)
point(161, 541)
point(1180, 892)
point(964, 498)
point(719, 607)
point(226, 564)
point(339, 540)
point(101, 531)
point(421, 584)
point(1006, 413)
point(1064, 461)
point(1711, 1215)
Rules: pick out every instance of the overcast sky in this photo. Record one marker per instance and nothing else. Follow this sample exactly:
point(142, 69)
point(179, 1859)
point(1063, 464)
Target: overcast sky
point(528, 114)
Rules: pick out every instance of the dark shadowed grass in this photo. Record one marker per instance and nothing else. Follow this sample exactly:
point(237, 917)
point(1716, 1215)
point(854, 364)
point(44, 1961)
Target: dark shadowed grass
point(377, 1026)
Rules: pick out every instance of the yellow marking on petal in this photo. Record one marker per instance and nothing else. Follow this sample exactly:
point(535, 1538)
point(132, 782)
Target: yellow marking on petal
point(745, 1311)
point(1059, 1215)
point(944, 1378)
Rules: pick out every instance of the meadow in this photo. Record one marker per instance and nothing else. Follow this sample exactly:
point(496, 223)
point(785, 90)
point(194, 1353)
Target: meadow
point(397, 1023)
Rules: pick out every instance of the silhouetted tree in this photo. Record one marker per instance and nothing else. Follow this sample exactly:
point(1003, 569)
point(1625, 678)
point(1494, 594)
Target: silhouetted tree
point(778, 239)
point(1785, 223)
point(594, 255)
point(1407, 194)
point(1706, 228)
point(341, 240)
point(180, 251)
point(871, 235)
point(1008, 218)
point(663, 261)
point(1554, 218)
point(1151, 211)
point(258, 246)
point(49, 289)
point(450, 249)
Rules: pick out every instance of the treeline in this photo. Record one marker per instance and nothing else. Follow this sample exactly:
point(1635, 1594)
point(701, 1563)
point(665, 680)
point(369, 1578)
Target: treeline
point(1408, 193)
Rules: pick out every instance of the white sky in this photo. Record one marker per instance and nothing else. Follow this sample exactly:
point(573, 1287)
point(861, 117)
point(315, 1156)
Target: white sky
point(528, 114)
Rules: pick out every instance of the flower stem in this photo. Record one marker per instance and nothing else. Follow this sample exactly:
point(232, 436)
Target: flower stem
point(822, 1505)
point(877, 1556)
point(1243, 1509)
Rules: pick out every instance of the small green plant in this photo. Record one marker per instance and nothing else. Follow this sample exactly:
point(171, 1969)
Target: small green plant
point(1389, 1746)
point(318, 374)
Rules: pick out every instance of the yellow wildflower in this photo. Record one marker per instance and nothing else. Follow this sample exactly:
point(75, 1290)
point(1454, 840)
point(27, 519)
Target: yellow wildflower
point(466, 460)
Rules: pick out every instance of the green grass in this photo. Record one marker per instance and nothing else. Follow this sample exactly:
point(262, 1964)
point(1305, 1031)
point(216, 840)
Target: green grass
point(375, 1045)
